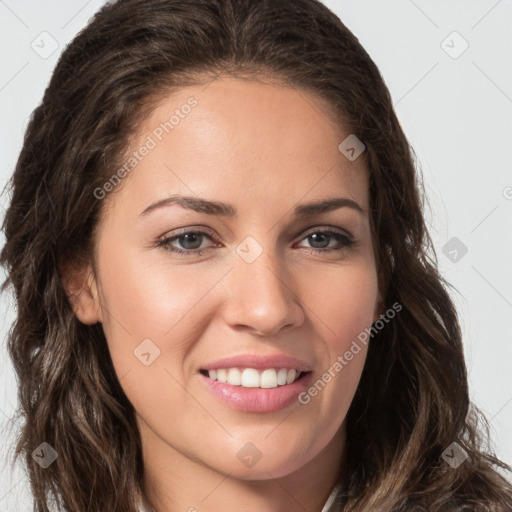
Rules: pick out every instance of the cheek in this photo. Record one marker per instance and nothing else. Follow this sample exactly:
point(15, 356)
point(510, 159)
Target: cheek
point(343, 310)
point(342, 301)
point(167, 304)
point(148, 299)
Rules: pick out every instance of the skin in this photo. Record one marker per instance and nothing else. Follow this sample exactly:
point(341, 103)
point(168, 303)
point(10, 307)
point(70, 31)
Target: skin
point(264, 148)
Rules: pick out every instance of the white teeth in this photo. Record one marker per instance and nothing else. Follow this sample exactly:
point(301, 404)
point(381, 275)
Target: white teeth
point(268, 379)
point(252, 378)
point(234, 377)
point(281, 376)
point(291, 376)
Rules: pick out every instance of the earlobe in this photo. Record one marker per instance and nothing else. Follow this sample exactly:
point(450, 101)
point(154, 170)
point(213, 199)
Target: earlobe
point(82, 291)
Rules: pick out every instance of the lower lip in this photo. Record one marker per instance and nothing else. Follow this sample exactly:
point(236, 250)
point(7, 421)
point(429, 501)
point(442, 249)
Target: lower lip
point(257, 399)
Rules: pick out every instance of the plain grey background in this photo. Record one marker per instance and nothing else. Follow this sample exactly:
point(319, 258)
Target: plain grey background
point(448, 67)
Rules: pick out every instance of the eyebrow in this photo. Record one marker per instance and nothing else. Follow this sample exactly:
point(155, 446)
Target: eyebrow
point(226, 210)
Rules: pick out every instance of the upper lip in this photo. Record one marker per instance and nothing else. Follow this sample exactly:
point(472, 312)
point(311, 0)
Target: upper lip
point(259, 362)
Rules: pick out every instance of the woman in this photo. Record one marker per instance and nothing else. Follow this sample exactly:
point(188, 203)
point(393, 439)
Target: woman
point(177, 345)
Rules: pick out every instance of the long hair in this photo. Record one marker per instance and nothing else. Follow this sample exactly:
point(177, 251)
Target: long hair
point(412, 402)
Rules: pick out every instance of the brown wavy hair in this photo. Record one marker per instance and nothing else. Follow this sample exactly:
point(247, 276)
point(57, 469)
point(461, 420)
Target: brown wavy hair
point(412, 401)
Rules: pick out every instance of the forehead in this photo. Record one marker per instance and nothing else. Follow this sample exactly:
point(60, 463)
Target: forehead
point(246, 140)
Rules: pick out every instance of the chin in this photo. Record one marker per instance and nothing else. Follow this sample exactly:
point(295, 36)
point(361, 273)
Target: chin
point(272, 461)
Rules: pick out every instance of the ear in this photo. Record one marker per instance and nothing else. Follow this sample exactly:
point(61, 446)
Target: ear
point(82, 291)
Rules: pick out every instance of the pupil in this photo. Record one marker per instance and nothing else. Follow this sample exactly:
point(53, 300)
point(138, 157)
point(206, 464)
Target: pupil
point(187, 240)
point(315, 237)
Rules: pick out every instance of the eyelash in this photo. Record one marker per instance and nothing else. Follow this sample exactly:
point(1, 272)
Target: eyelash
point(346, 240)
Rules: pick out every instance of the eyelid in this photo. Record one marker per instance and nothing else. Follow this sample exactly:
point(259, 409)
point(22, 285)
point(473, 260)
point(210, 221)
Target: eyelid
point(189, 229)
point(325, 227)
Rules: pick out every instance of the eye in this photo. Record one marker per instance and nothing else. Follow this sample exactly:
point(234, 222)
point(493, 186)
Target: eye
point(191, 241)
point(320, 239)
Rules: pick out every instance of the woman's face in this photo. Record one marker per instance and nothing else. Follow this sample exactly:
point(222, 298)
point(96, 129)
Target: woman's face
point(258, 292)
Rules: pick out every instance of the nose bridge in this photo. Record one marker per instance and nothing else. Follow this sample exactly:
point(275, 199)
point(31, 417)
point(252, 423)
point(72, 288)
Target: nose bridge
point(262, 296)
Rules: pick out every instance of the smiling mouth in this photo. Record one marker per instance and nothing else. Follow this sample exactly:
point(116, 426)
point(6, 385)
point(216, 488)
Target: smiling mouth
point(255, 378)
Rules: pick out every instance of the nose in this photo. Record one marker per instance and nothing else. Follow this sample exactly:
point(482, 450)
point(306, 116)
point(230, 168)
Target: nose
point(262, 297)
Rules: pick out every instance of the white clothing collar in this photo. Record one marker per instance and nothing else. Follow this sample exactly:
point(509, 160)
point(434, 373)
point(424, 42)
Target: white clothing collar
point(330, 500)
